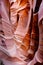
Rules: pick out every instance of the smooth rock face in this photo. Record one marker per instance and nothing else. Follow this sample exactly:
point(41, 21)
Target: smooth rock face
point(21, 32)
point(40, 23)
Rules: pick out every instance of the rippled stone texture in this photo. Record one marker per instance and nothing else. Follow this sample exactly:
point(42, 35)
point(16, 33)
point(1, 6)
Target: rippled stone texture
point(21, 32)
